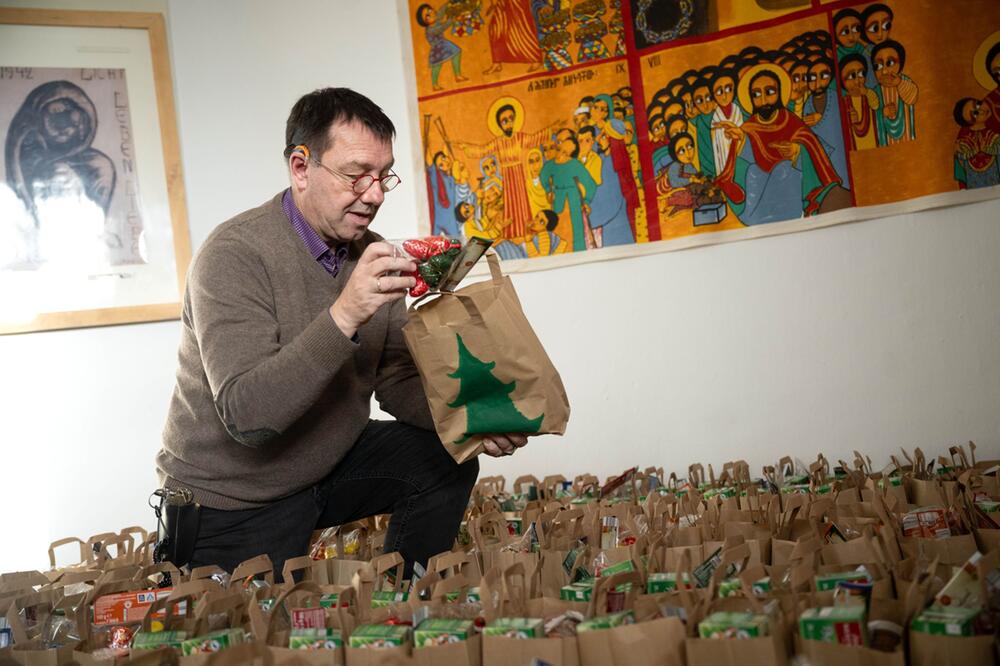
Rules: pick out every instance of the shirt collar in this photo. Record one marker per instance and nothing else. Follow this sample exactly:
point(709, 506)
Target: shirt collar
point(316, 246)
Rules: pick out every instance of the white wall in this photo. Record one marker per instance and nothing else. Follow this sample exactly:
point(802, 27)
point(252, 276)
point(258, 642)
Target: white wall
point(866, 336)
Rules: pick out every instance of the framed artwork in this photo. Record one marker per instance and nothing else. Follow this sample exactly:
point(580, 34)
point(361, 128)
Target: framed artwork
point(93, 221)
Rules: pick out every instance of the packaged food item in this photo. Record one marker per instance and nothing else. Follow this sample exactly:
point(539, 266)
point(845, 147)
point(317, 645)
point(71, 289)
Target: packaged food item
point(440, 631)
point(581, 591)
point(380, 635)
point(434, 256)
point(315, 639)
point(471, 252)
point(945, 621)
point(703, 572)
point(609, 532)
point(153, 640)
point(731, 586)
point(328, 600)
point(382, 598)
point(215, 641)
point(734, 625)
point(563, 626)
point(6, 635)
point(308, 618)
point(834, 624)
point(129, 607)
point(471, 596)
point(665, 582)
point(606, 621)
point(829, 581)
point(929, 522)
point(516, 627)
point(964, 588)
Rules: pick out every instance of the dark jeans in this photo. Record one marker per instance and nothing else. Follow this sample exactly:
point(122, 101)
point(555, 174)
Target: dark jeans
point(393, 468)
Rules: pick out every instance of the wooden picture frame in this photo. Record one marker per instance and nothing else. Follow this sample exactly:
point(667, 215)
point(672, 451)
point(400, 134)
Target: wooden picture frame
point(127, 190)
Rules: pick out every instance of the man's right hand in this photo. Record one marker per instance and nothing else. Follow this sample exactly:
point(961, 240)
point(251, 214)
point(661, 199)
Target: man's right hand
point(370, 287)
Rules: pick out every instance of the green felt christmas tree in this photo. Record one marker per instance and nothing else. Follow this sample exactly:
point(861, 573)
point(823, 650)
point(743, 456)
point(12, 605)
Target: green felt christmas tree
point(487, 399)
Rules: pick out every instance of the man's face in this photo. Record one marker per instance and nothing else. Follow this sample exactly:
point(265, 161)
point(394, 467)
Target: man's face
point(764, 96)
point(887, 67)
point(328, 201)
point(848, 31)
point(466, 210)
point(877, 27)
point(443, 162)
point(489, 168)
point(724, 90)
point(538, 223)
point(601, 110)
point(975, 112)
point(586, 140)
point(581, 119)
point(685, 151)
point(800, 81)
point(566, 145)
point(658, 129)
point(853, 76)
point(428, 16)
point(819, 78)
point(549, 149)
point(703, 100)
point(689, 108)
point(507, 122)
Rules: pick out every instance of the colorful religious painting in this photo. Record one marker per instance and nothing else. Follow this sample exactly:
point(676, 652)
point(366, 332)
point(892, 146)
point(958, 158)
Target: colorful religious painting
point(593, 129)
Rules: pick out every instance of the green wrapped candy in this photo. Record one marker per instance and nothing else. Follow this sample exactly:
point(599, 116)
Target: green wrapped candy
point(431, 275)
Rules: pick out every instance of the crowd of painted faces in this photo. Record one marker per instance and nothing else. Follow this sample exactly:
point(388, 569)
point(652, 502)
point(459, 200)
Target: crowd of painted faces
point(562, 189)
point(702, 131)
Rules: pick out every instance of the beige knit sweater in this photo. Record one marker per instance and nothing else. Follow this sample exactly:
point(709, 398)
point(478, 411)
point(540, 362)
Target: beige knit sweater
point(270, 393)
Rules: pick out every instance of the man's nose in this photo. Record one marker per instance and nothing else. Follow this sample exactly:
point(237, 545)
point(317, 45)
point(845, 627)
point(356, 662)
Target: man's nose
point(374, 195)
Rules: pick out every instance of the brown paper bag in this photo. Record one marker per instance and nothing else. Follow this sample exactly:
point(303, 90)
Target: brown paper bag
point(928, 650)
point(482, 366)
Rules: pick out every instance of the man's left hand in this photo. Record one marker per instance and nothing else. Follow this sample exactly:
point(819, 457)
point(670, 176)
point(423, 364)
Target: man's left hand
point(499, 445)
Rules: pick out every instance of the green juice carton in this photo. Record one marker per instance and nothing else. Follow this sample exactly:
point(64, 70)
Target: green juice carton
point(315, 639)
point(516, 627)
point(829, 581)
point(731, 586)
point(329, 600)
point(622, 567)
point(733, 625)
point(665, 582)
point(380, 636)
point(606, 622)
point(846, 625)
point(382, 598)
point(581, 591)
point(472, 595)
point(441, 631)
point(215, 641)
point(153, 640)
point(945, 621)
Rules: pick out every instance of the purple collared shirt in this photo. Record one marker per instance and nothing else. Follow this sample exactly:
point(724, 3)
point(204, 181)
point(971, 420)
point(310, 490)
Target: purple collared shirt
point(331, 259)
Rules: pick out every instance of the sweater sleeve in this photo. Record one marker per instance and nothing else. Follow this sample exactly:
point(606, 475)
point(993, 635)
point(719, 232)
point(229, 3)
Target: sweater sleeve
point(260, 387)
point(397, 383)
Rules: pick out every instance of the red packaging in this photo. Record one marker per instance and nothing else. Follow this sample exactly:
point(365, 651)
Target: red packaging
point(928, 522)
point(308, 618)
point(128, 607)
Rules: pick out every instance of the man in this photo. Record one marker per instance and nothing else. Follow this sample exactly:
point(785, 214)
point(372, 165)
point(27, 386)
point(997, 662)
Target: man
point(976, 147)
point(847, 27)
point(897, 94)
point(822, 114)
point(443, 194)
point(505, 119)
point(777, 168)
point(860, 101)
point(291, 321)
point(704, 101)
point(724, 92)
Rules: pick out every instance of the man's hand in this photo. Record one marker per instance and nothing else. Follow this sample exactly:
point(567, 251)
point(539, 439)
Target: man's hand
point(499, 445)
point(370, 287)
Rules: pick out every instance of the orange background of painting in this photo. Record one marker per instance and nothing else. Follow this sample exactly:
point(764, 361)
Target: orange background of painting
point(464, 114)
point(940, 40)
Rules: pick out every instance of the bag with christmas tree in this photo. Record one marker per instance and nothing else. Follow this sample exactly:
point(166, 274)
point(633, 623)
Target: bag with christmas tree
point(482, 367)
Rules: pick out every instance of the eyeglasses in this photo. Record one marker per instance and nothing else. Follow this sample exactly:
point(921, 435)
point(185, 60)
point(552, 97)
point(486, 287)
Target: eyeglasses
point(360, 184)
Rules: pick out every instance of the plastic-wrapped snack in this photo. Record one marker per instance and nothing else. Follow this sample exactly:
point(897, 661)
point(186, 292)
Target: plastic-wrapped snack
point(563, 626)
point(434, 256)
point(325, 547)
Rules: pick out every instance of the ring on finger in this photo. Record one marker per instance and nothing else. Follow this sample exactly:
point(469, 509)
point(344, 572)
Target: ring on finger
point(378, 284)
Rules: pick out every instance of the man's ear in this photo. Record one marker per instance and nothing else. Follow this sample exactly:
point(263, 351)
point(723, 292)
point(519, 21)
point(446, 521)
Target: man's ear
point(298, 163)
